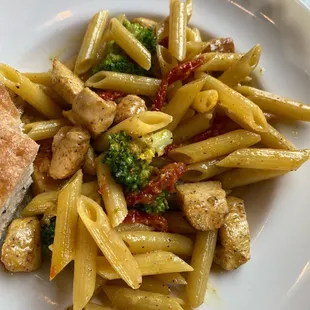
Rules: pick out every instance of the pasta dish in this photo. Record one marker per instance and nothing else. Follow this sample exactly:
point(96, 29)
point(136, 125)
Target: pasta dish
point(144, 139)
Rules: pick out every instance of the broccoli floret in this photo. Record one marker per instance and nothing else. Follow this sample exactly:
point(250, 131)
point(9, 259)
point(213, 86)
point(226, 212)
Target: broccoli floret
point(48, 234)
point(142, 34)
point(126, 167)
point(158, 206)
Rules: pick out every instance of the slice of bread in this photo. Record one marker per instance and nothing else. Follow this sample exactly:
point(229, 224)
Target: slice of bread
point(17, 153)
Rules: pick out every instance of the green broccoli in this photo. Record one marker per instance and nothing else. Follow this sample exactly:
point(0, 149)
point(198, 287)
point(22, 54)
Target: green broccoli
point(117, 61)
point(47, 235)
point(158, 206)
point(142, 34)
point(126, 167)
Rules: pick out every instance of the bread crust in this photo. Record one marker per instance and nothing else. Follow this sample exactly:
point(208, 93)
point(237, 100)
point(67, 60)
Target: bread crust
point(6, 103)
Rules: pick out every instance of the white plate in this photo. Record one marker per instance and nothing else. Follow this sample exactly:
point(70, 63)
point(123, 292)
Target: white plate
point(278, 276)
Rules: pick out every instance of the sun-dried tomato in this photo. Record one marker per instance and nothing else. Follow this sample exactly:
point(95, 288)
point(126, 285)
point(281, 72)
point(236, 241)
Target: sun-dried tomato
point(109, 95)
point(180, 72)
point(156, 221)
point(165, 180)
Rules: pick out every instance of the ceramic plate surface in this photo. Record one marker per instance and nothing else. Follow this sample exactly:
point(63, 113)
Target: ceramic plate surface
point(278, 275)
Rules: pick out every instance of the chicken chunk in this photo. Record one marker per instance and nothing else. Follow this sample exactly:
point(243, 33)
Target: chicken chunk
point(60, 135)
point(129, 106)
point(234, 237)
point(69, 153)
point(204, 204)
point(21, 251)
point(95, 113)
point(42, 182)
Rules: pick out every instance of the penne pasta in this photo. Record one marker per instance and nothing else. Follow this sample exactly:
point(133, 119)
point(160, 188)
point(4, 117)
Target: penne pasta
point(172, 89)
point(51, 93)
point(277, 105)
point(177, 29)
point(171, 278)
point(91, 43)
point(162, 30)
point(187, 116)
point(165, 59)
point(109, 242)
point(177, 223)
point(189, 9)
point(274, 139)
point(65, 230)
point(193, 126)
point(151, 263)
point(65, 82)
point(112, 194)
point(201, 262)
point(84, 281)
point(241, 177)
point(145, 22)
point(186, 94)
point(266, 159)
point(139, 300)
point(43, 78)
point(197, 35)
point(205, 101)
point(127, 41)
point(136, 126)
point(122, 82)
point(238, 108)
point(194, 48)
point(203, 170)
point(92, 306)
point(45, 129)
point(29, 91)
point(242, 68)
point(146, 241)
point(214, 147)
point(133, 227)
point(218, 61)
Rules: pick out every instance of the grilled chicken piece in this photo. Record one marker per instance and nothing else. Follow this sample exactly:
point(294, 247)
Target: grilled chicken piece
point(60, 135)
point(69, 152)
point(21, 251)
point(129, 106)
point(95, 113)
point(234, 237)
point(42, 182)
point(204, 204)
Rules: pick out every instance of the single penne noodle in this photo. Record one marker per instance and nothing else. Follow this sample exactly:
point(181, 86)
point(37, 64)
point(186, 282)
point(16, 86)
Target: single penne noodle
point(112, 194)
point(194, 48)
point(201, 262)
point(266, 159)
point(162, 30)
point(45, 129)
point(145, 22)
point(60, 101)
point(197, 35)
point(241, 177)
point(205, 101)
point(218, 61)
point(43, 78)
point(172, 89)
point(65, 82)
point(177, 29)
point(188, 115)
point(185, 94)
point(92, 306)
point(84, 281)
point(151, 263)
point(133, 227)
point(277, 105)
point(166, 61)
point(151, 284)
point(91, 42)
point(203, 170)
point(29, 91)
point(65, 230)
point(125, 298)
point(177, 223)
point(195, 125)
point(240, 109)
point(275, 140)
point(127, 41)
point(189, 9)
point(242, 68)
point(145, 241)
point(127, 83)
point(136, 126)
point(171, 278)
point(119, 258)
point(40, 203)
point(215, 147)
